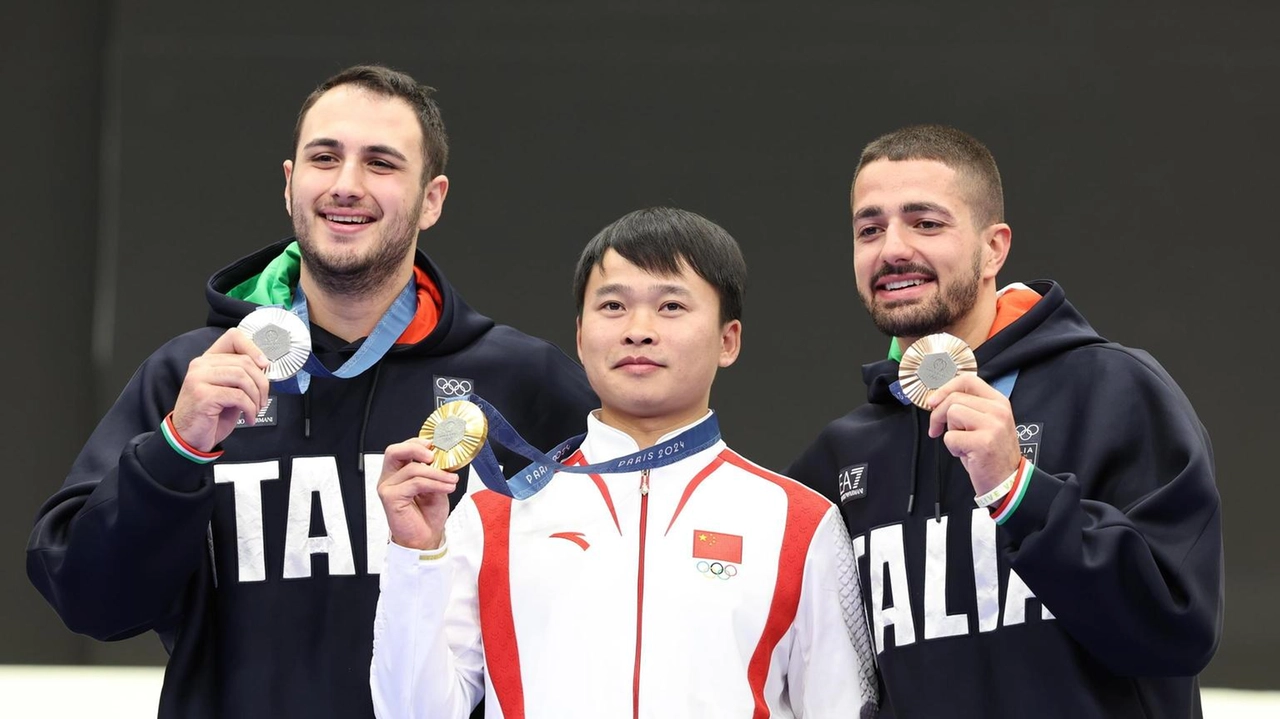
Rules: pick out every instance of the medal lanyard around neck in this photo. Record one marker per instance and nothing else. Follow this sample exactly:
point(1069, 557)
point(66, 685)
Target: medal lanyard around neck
point(529, 480)
point(389, 328)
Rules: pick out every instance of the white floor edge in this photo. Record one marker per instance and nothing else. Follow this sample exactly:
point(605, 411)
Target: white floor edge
point(60, 692)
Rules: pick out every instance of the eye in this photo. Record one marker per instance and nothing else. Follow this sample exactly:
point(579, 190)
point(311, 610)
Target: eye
point(381, 165)
point(672, 306)
point(323, 158)
point(866, 232)
point(611, 306)
point(929, 225)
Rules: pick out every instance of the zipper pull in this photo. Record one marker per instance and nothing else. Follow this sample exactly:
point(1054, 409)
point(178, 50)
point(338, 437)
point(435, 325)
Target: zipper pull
point(644, 482)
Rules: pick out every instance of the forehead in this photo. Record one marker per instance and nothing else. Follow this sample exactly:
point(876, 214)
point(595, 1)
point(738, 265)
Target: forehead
point(888, 184)
point(357, 118)
point(616, 272)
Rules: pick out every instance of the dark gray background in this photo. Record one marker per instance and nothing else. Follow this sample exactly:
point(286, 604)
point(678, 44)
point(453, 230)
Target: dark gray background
point(142, 143)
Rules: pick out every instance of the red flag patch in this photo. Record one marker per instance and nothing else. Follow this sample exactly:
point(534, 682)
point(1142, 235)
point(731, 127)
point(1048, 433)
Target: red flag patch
point(717, 546)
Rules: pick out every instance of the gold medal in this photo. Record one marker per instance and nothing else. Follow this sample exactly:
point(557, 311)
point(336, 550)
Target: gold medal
point(282, 336)
point(931, 362)
point(457, 431)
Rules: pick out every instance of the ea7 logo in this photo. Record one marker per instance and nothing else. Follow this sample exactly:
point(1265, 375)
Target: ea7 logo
point(852, 483)
point(266, 415)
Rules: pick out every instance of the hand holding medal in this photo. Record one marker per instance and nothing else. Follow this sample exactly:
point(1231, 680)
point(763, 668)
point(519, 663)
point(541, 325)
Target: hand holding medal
point(938, 373)
point(227, 381)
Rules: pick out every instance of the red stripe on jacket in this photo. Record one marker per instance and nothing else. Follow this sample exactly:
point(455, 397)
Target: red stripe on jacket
point(805, 510)
point(497, 625)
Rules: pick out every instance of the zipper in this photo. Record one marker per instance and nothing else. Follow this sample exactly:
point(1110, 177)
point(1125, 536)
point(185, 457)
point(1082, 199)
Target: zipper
point(644, 517)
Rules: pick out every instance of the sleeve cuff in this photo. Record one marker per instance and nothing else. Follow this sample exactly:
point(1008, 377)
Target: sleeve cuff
point(408, 557)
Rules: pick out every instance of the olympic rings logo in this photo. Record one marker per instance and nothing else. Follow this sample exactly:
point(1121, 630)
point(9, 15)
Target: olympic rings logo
point(1027, 431)
point(717, 570)
point(449, 385)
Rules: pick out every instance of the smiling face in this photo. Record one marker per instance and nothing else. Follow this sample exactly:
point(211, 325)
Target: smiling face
point(921, 264)
point(355, 190)
point(651, 344)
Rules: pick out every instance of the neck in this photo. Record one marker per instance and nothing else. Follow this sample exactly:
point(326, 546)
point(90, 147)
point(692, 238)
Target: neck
point(351, 316)
point(974, 327)
point(646, 431)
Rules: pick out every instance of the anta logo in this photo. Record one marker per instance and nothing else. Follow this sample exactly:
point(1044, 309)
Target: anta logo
point(316, 521)
point(900, 583)
point(266, 415)
point(448, 389)
point(1029, 434)
point(575, 537)
point(852, 483)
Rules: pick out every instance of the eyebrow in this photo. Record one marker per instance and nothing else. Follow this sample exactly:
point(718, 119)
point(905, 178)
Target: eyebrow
point(619, 289)
point(907, 209)
point(868, 212)
point(913, 207)
point(370, 149)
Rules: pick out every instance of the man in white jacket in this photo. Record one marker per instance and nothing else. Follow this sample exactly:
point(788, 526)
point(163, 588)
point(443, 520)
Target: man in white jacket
point(701, 587)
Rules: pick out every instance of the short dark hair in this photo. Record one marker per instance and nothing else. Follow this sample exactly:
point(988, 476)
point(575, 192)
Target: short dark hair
point(392, 83)
point(955, 149)
point(659, 240)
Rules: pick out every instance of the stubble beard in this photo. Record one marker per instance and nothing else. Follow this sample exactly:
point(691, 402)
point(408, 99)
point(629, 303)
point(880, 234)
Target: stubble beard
point(356, 274)
point(936, 314)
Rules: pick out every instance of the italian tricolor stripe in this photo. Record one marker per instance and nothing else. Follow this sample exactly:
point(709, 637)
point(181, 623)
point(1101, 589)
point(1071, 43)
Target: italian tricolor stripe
point(1006, 508)
point(181, 447)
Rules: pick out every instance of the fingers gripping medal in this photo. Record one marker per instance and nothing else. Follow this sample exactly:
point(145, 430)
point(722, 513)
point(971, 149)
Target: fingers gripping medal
point(931, 362)
point(282, 336)
point(457, 431)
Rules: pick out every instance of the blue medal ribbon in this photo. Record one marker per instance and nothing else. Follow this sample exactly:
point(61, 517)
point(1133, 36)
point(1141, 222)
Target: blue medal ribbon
point(389, 328)
point(534, 477)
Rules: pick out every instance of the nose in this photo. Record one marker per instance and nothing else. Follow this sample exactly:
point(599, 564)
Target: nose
point(641, 329)
point(348, 183)
point(896, 247)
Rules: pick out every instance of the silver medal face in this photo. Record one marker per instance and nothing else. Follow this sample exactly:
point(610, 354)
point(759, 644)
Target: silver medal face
point(274, 341)
point(936, 369)
point(449, 433)
point(282, 336)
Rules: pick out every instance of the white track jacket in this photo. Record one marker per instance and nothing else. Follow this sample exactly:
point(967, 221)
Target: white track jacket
point(708, 588)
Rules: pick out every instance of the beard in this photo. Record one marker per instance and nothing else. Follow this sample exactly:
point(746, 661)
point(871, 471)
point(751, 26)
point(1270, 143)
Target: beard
point(356, 272)
point(936, 314)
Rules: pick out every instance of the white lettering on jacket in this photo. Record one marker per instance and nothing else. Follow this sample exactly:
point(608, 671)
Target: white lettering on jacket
point(316, 476)
point(246, 480)
point(886, 551)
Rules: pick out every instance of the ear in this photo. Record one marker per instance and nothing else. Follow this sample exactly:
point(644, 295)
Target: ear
point(996, 242)
point(433, 201)
point(577, 340)
point(288, 196)
point(730, 342)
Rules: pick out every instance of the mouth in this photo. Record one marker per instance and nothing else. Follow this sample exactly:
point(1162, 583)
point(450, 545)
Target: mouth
point(637, 365)
point(346, 221)
point(892, 287)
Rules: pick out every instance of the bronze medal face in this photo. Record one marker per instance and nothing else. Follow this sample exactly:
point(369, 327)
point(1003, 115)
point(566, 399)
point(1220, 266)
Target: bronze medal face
point(457, 431)
point(282, 336)
point(931, 362)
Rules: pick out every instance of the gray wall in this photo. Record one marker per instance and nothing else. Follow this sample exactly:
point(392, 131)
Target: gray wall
point(143, 143)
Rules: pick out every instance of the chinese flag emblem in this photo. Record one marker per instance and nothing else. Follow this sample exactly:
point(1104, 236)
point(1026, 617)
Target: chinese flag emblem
point(717, 546)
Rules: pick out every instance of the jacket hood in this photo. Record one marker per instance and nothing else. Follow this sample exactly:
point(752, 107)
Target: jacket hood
point(1049, 328)
point(459, 325)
